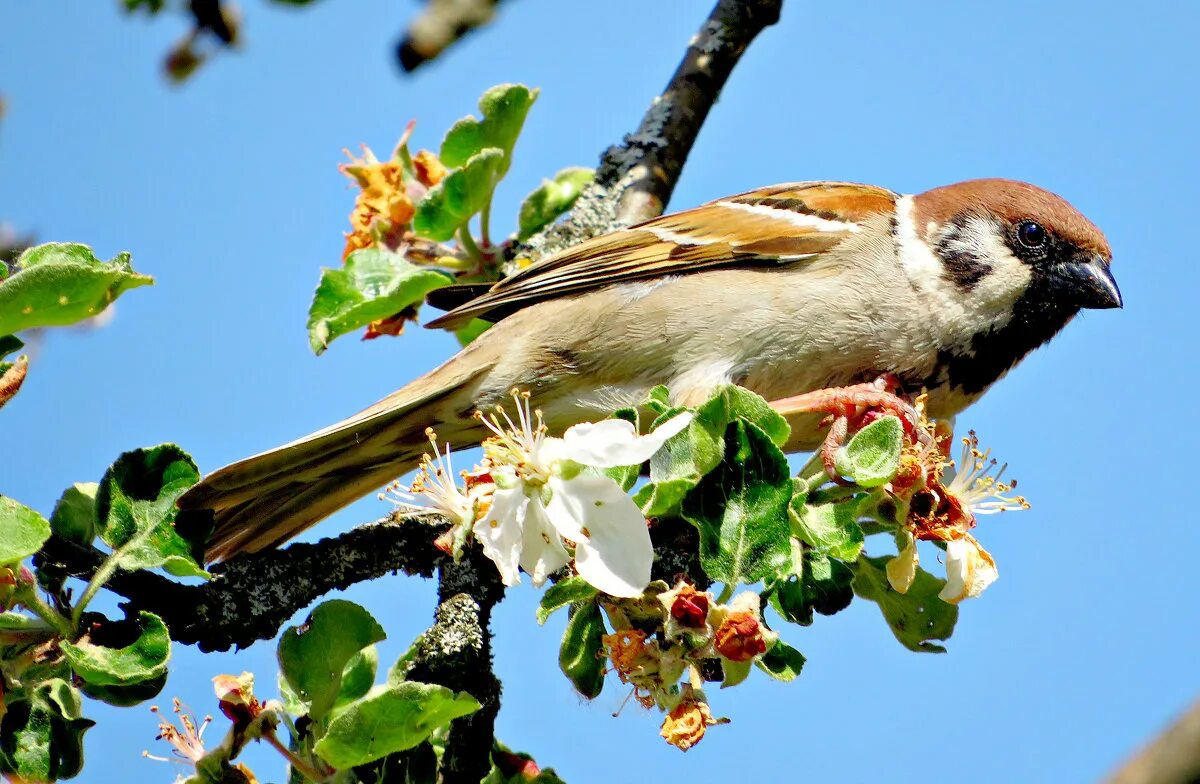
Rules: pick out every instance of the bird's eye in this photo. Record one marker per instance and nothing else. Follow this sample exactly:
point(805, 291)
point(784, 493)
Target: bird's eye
point(1031, 234)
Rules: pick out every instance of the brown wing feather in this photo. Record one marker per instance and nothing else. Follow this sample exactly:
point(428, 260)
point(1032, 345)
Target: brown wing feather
point(780, 224)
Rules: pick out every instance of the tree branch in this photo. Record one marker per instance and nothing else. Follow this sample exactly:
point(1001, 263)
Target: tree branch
point(441, 24)
point(635, 179)
point(252, 595)
point(1171, 758)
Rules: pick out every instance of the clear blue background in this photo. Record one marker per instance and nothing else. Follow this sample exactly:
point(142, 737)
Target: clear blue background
point(226, 190)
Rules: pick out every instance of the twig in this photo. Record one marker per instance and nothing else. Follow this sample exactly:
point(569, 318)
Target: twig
point(635, 179)
point(1171, 758)
point(441, 24)
point(251, 596)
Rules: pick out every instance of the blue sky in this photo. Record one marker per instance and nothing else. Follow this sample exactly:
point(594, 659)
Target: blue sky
point(227, 191)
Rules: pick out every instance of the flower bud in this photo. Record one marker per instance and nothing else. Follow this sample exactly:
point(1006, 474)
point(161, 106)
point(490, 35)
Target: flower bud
point(690, 607)
point(740, 637)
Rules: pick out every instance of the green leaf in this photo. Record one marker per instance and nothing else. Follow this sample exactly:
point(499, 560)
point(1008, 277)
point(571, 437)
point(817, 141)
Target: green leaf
point(41, 737)
point(74, 517)
point(831, 528)
point(823, 586)
point(135, 511)
point(504, 108)
point(687, 457)
point(782, 662)
point(62, 283)
point(143, 659)
point(916, 617)
point(390, 718)
point(358, 676)
point(22, 531)
point(373, 284)
point(126, 696)
point(579, 656)
point(564, 593)
point(9, 344)
point(314, 655)
point(872, 457)
point(473, 329)
point(464, 192)
point(741, 509)
point(551, 199)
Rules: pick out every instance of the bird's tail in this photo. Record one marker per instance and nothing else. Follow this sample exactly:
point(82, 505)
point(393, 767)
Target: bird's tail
point(265, 500)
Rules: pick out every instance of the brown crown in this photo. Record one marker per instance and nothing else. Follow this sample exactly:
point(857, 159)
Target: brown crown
point(1013, 202)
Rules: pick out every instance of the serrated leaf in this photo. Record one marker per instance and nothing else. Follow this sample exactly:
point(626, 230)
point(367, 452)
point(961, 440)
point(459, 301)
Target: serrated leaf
point(390, 718)
point(872, 457)
point(313, 656)
point(464, 192)
point(579, 654)
point(551, 199)
point(62, 283)
point(41, 736)
point(135, 511)
point(504, 108)
point(916, 617)
point(741, 509)
point(831, 528)
point(74, 516)
point(143, 659)
point(372, 285)
point(824, 586)
point(564, 593)
point(22, 531)
point(782, 662)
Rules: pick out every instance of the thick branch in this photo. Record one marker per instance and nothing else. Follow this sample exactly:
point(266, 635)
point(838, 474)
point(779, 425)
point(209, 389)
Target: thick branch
point(636, 178)
point(252, 595)
point(1171, 758)
point(441, 24)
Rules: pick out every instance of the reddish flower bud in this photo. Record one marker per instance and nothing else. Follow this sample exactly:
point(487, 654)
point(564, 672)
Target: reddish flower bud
point(740, 637)
point(690, 607)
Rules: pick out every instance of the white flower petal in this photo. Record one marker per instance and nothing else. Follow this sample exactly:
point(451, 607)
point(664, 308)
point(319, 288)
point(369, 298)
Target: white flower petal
point(499, 533)
point(902, 570)
point(969, 570)
point(615, 442)
point(542, 551)
point(613, 550)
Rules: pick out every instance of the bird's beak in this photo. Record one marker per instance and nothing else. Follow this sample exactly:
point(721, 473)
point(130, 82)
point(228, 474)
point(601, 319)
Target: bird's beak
point(1087, 283)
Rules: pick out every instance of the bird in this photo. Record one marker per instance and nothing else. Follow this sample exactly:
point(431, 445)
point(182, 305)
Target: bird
point(783, 290)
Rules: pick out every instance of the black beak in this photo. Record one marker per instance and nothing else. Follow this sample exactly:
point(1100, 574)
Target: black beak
point(1087, 284)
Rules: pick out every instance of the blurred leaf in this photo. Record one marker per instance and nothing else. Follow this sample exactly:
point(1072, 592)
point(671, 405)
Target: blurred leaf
point(741, 509)
point(9, 343)
point(823, 586)
point(451, 203)
point(22, 531)
point(872, 457)
point(564, 593)
point(152, 6)
point(41, 736)
point(372, 285)
point(143, 659)
point(831, 528)
point(387, 719)
point(358, 676)
point(62, 283)
point(473, 329)
point(579, 655)
point(74, 516)
point(504, 108)
point(551, 199)
point(135, 511)
point(314, 655)
point(916, 617)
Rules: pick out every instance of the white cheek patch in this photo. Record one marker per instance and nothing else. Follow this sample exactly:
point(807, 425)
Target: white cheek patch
point(956, 313)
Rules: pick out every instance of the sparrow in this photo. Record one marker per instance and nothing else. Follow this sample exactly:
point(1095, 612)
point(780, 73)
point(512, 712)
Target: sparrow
point(783, 290)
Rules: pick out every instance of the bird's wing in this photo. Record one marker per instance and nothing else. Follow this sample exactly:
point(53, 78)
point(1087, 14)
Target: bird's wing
point(776, 225)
